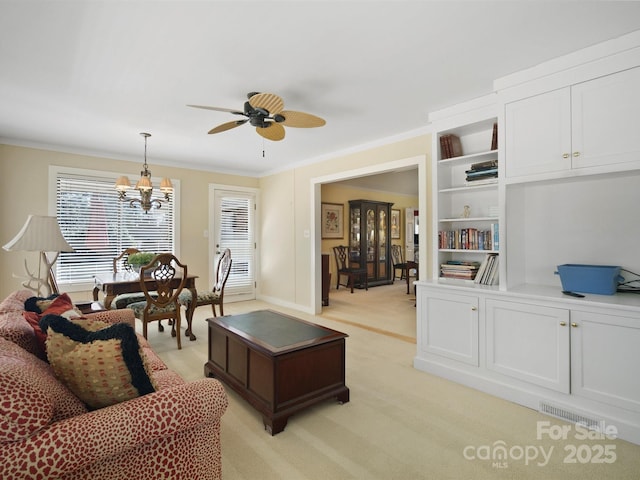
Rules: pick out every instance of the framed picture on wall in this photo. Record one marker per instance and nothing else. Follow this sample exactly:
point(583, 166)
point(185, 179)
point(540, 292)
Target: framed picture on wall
point(332, 218)
point(395, 223)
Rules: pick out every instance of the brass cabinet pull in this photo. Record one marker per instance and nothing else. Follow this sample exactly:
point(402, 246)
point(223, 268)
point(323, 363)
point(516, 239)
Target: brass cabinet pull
point(563, 324)
point(565, 155)
point(473, 309)
point(576, 154)
point(574, 324)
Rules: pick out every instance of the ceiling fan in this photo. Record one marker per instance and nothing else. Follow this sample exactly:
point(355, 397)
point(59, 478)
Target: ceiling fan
point(265, 111)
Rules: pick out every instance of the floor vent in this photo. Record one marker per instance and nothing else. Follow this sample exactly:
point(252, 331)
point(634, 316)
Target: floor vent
point(573, 417)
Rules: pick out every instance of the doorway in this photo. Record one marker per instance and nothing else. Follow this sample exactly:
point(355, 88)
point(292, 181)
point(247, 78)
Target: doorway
point(316, 243)
point(233, 226)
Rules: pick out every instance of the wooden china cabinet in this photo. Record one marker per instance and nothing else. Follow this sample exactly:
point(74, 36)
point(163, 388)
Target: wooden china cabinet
point(369, 239)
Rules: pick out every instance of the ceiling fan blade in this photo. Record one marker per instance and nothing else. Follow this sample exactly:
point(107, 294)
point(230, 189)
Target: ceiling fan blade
point(227, 126)
point(218, 109)
point(273, 131)
point(268, 101)
point(300, 119)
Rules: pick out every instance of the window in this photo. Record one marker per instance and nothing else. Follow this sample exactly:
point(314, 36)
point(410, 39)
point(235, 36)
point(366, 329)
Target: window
point(99, 226)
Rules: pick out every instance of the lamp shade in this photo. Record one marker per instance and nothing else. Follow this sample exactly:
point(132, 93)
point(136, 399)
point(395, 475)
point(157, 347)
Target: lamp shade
point(39, 234)
point(166, 186)
point(144, 183)
point(123, 183)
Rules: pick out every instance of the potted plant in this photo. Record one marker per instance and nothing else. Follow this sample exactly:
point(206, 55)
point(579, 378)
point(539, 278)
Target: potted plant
point(137, 260)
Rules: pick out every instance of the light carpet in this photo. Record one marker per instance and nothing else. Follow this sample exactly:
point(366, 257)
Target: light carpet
point(400, 423)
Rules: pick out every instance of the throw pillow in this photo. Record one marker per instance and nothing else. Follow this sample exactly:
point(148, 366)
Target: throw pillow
point(41, 337)
point(39, 304)
point(36, 308)
point(102, 364)
point(55, 304)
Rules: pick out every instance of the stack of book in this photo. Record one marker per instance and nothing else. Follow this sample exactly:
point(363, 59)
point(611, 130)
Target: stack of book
point(459, 269)
point(488, 271)
point(469, 239)
point(450, 146)
point(482, 171)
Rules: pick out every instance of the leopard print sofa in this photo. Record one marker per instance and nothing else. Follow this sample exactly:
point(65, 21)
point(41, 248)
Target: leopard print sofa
point(48, 433)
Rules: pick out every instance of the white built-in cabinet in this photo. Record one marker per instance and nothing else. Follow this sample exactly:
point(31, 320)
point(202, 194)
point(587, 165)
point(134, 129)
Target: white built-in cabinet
point(528, 341)
point(605, 357)
point(450, 327)
point(588, 353)
point(539, 136)
point(580, 357)
point(568, 191)
point(589, 124)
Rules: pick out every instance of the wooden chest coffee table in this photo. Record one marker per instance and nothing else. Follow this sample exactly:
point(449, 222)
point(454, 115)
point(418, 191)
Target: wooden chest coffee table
point(277, 363)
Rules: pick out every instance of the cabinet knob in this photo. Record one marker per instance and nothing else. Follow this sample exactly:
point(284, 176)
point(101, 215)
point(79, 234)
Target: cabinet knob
point(473, 309)
point(565, 155)
point(563, 324)
point(574, 324)
point(576, 154)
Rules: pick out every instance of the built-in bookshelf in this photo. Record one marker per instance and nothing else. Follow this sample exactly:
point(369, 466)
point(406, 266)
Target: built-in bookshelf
point(466, 224)
point(566, 194)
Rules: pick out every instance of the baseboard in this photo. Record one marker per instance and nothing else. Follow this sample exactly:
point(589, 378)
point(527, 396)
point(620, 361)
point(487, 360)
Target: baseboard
point(569, 408)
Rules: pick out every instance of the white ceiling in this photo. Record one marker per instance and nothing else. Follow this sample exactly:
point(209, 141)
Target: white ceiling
point(88, 76)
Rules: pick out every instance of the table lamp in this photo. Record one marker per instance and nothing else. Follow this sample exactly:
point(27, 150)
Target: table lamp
point(40, 234)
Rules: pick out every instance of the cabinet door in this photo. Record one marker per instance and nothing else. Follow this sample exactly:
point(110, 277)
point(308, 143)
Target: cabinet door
point(355, 238)
point(383, 238)
point(538, 134)
point(449, 326)
point(605, 119)
point(605, 354)
point(371, 241)
point(529, 342)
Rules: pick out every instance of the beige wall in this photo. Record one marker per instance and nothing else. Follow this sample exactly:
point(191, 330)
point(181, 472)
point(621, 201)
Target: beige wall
point(24, 190)
point(276, 240)
point(298, 273)
point(285, 230)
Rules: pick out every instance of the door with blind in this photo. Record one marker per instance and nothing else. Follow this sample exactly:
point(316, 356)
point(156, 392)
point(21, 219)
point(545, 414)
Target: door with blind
point(234, 218)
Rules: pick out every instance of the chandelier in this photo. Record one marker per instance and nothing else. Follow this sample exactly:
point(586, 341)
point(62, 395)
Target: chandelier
point(144, 186)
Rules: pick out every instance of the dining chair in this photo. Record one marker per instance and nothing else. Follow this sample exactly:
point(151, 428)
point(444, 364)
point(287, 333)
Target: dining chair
point(344, 269)
point(212, 297)
point(409, 267)
point(161, 296)
point(124, 299)
point(122, 259)
point(398, 262)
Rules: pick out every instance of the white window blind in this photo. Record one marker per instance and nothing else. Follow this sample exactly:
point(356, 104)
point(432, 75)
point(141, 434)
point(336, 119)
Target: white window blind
point(236, 233)
point(99, 226)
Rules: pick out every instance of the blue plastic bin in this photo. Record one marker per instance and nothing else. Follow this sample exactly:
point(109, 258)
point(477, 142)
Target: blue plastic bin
point(599, 279)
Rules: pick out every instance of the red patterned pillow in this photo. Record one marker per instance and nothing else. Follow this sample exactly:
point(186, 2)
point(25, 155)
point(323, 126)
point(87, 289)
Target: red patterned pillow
point(41, 338)
point(55, 305)
point(36, 308)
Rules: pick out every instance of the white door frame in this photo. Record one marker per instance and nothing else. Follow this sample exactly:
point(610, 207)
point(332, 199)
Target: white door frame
point(316, 199)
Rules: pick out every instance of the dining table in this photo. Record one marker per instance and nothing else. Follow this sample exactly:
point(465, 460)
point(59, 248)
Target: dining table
point(114, 284)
